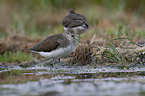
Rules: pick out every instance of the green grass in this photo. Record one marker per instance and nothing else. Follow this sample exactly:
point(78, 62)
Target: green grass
point(113, 53)
point(13, 72)
point(122, 37)
point(15, 57)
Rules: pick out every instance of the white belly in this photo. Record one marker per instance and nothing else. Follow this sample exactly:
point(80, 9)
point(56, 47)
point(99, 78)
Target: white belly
point(61, 52)
point(78, 30)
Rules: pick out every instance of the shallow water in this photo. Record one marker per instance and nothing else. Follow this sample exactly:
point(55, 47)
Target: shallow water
point(78, 81)
point(75, 88)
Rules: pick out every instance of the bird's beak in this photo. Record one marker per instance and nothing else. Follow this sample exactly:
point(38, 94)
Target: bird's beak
point(74, 36)
point(76, 39)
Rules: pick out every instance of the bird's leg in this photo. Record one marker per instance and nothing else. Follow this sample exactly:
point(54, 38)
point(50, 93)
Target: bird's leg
point(59, 63)
point(53, 61)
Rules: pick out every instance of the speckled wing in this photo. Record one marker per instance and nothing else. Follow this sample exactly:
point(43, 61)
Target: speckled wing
point(74, 20)
point(48, 44)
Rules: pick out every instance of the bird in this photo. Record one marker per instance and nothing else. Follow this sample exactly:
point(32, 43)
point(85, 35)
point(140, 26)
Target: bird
point(56, 46)
point(76, 22)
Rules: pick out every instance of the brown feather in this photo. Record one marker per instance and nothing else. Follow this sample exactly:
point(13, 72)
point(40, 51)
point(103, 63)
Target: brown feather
point(74, 20)
point(51, 43)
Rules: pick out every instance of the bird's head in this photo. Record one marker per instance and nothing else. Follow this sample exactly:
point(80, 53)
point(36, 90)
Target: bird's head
point(71, 11)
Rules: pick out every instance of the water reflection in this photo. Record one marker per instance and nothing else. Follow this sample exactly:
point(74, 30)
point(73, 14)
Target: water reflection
point(77, 87)
point(76, 82)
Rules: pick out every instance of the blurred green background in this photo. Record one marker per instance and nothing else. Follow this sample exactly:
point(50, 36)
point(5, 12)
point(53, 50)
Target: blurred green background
point(43, 17)
point(23, 23)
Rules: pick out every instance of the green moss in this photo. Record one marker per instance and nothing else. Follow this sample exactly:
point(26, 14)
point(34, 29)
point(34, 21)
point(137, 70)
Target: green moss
point(15, 57)
point(13, 72)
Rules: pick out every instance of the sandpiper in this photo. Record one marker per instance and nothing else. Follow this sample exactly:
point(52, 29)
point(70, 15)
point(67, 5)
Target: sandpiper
point(76, 22)
point(56, 46)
